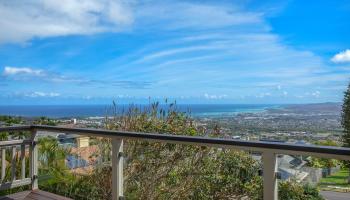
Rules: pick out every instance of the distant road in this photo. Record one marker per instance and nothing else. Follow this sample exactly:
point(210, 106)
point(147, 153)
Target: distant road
point(328, 195)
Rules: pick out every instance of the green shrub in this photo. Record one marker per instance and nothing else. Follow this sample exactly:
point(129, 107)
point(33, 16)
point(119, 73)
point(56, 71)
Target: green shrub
point(290, 190)
point(170, 171)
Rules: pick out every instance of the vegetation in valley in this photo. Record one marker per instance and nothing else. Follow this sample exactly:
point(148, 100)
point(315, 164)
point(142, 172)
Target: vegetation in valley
point(9, 120)
point(45, 121)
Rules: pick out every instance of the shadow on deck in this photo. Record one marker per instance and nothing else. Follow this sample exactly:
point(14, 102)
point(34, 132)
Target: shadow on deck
point(34, 195)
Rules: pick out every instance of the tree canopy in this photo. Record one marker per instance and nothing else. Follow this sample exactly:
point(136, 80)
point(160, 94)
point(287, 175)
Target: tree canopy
point(346, 118)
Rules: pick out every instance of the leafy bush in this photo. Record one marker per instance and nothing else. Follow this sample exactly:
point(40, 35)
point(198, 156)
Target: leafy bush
point(295, 191)
point(171, 171)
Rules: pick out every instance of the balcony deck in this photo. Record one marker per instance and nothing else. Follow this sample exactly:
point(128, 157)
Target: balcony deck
point(33, 195)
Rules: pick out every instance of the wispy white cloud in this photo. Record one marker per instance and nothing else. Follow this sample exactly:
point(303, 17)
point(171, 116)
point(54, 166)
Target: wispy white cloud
point(28, 73)
point(263, 95)
point(46, 18)
point(175, 51)
point(50, 18)
point(13, 71)
point(180, 15)
point(214, 96)
point(41, 94)
point(341, 57)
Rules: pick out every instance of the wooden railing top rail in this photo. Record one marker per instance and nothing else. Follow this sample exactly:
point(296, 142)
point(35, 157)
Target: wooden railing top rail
point(15, 128)
point(14, 142)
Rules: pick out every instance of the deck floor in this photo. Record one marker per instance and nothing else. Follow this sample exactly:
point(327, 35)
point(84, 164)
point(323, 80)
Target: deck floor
point(34, 195)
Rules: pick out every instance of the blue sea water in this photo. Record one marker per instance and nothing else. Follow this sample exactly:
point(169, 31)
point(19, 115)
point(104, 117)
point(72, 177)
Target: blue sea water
point(62, 111)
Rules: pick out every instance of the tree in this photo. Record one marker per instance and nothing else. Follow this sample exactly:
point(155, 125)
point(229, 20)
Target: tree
point(346, 122)
point(51, 155)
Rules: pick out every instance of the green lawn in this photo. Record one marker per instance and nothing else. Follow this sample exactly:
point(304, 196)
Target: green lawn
point(338, 179)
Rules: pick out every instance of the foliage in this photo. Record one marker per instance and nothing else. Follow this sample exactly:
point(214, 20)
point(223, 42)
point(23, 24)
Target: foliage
point(346, 123)
point(51, 155)
point(226, 175)
point(45, 121)
point(346, 118)
point(178, 171)
point(4, 136)
point(296, 191)
point(169, 171)
point(9, 120)
point(338, 179)
point(76, 187)
point(324, 162)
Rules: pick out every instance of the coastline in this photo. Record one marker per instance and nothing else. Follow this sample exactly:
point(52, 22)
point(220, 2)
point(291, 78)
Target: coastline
point(84, 111)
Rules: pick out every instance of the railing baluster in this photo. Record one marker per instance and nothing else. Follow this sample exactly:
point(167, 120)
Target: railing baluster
point(13, 163)
point(23, 161)
point(269, 175)
point(34, 161)
point(3, 163)
point(117, 169)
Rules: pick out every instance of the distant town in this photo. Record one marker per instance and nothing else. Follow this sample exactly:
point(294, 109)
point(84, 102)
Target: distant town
point(292, 123)
point(304, 123)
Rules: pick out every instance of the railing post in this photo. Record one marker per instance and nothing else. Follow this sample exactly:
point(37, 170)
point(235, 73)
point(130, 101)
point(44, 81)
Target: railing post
point(117, 169)
point(3, 164)
point(13, 163)
point(23, 161)
point(270, 175)
point(33, 153)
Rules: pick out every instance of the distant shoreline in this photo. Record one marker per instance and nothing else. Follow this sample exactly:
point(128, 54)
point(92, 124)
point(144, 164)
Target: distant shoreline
point(195, 110)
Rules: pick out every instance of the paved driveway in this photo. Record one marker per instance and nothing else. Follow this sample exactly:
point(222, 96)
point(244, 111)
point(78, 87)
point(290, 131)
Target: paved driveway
point(328, 195)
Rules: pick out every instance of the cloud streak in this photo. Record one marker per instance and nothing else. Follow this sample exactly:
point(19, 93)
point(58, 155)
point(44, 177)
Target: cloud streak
point(191, 15)
point(28, 73)
point(15, 71)
point(42, 94)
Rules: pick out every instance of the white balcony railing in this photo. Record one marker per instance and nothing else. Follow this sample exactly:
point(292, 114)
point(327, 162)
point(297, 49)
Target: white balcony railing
point(269, 151)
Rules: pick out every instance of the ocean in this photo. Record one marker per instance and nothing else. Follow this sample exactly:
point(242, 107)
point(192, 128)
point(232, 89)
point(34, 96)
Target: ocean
point(69, 111)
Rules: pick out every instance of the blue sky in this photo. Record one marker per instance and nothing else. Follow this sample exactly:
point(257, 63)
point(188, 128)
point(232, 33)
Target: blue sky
point(69, 52)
